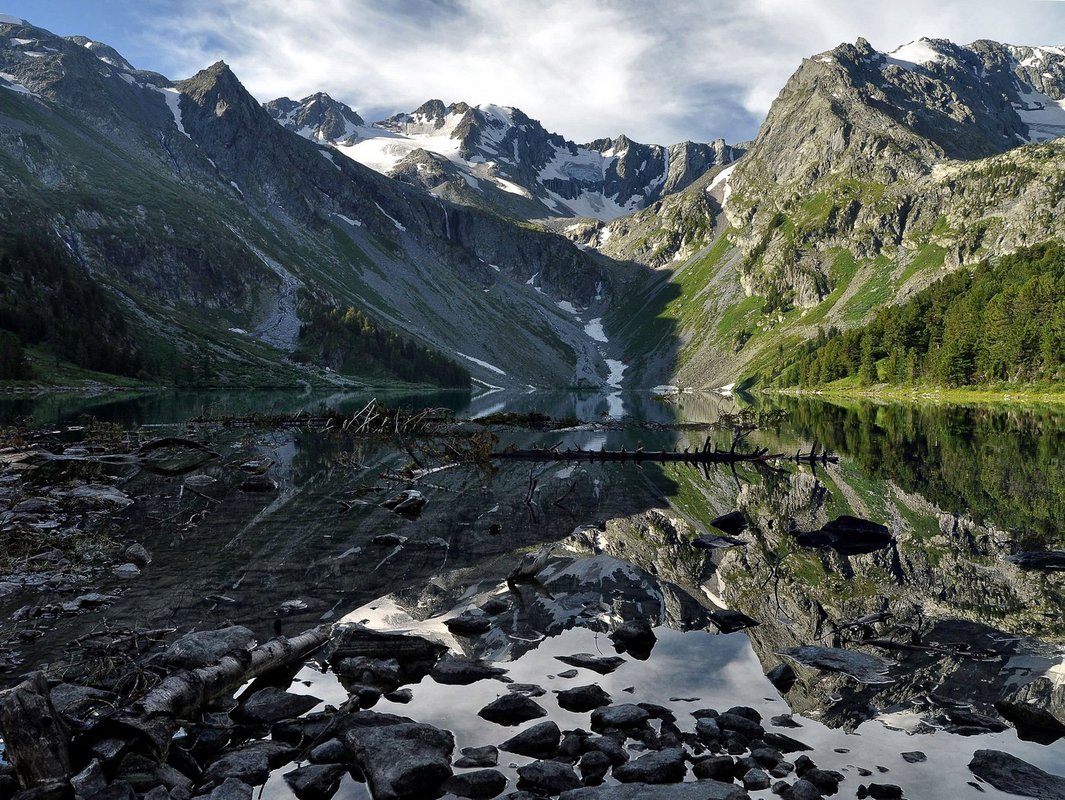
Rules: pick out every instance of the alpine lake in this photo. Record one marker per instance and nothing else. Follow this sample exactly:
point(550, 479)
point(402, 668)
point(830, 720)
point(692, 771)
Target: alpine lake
point(894, 659)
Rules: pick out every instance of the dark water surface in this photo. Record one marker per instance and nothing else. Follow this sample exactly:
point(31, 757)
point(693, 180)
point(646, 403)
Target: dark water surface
point(960, 489)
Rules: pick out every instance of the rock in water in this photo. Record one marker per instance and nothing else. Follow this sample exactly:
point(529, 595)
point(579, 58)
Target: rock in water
point(1012, 775)
point(583, 698)
point(401, 761)
point(863, 667)
point(273, 705)
point(699, 790)
point(512, 709)
point(547, 777)
point(635, 638)
point(665, 766)
point(604, 665)
point(315, 782)
point(539, 741)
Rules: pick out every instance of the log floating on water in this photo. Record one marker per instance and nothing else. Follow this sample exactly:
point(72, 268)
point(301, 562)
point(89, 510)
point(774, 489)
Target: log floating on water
point(639, 455)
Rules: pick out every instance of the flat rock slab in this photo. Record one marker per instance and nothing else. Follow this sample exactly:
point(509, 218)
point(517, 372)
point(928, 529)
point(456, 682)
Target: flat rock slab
point(1012, 775)
point(701, 790)
point(604, 665)
point(316, 781)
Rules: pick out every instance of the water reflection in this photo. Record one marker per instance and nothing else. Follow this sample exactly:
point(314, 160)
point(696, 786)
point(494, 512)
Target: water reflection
point(956, 491)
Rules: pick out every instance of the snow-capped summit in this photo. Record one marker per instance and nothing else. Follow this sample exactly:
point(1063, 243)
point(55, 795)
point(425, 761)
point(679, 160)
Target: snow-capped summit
point(500, 156)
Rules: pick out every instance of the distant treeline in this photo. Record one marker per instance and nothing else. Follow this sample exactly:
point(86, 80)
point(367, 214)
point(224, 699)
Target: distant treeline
point(350, 342)
point(1001, 321)
point(46, 297)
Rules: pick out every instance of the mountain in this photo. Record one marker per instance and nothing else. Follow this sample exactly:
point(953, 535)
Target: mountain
point(873, 175)
point(500, 159)
point(206, 240)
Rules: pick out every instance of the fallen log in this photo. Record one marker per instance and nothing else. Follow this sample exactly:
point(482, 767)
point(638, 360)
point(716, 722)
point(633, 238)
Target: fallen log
point(703, 456)
point(154, 718)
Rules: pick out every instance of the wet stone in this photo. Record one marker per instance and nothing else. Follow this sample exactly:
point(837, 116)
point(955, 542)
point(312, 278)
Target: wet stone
point(331, 751)
point(728, 621)
point(231, 789)
point(512, 709)
point(665, 766)
point(784, 721)
point(635, 638)
point(455, 671)
point(527, 689)
point(1010, 774)
point(315, 782)
point(401, 760)
point(783, 677)
point(700, 790)
point(741, 725)
point(580, 699)
point(273, 705)
point(539, 741)
point(483, 783)
point(756, 779)
point(802, 789)
point(914, 757)
point(827, 781)
point(604, 665)
point(568, 673)
point(594, 766)
point(880, 791)
point(549, 777)
point(472, 757)
point(400, 696)
point(623, 716)
point(718, 768)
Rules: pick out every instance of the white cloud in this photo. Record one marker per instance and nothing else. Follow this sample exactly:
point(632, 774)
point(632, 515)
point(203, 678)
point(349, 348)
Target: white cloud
point(658, 71)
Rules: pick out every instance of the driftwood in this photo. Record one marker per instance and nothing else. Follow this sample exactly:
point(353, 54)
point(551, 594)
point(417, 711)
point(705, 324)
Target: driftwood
point(184, 692)
point(153, 719)
point(36, 740)
point(706, 455)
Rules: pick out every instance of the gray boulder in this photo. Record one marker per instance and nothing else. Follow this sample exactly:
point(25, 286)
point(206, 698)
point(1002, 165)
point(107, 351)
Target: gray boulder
point(539, 741)
point(665, 766)
point(1010, 774)
point(200, 648)
point(402, 761)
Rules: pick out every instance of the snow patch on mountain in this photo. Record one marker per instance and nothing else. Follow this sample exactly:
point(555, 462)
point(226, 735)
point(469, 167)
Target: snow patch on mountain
point(915, 54)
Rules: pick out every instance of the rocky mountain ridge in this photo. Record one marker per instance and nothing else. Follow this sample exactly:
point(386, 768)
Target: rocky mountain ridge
point(191, 205)
point(873, 173)
point(501, 158)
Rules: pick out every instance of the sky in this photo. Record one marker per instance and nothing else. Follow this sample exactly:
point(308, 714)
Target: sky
point(656, 71)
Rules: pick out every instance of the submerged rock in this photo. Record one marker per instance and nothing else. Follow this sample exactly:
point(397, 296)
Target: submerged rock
point(604, 665)
point(863, 667)
point(635, 638)
point(729, 621)
point(487, 756)
point(1012, 775)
